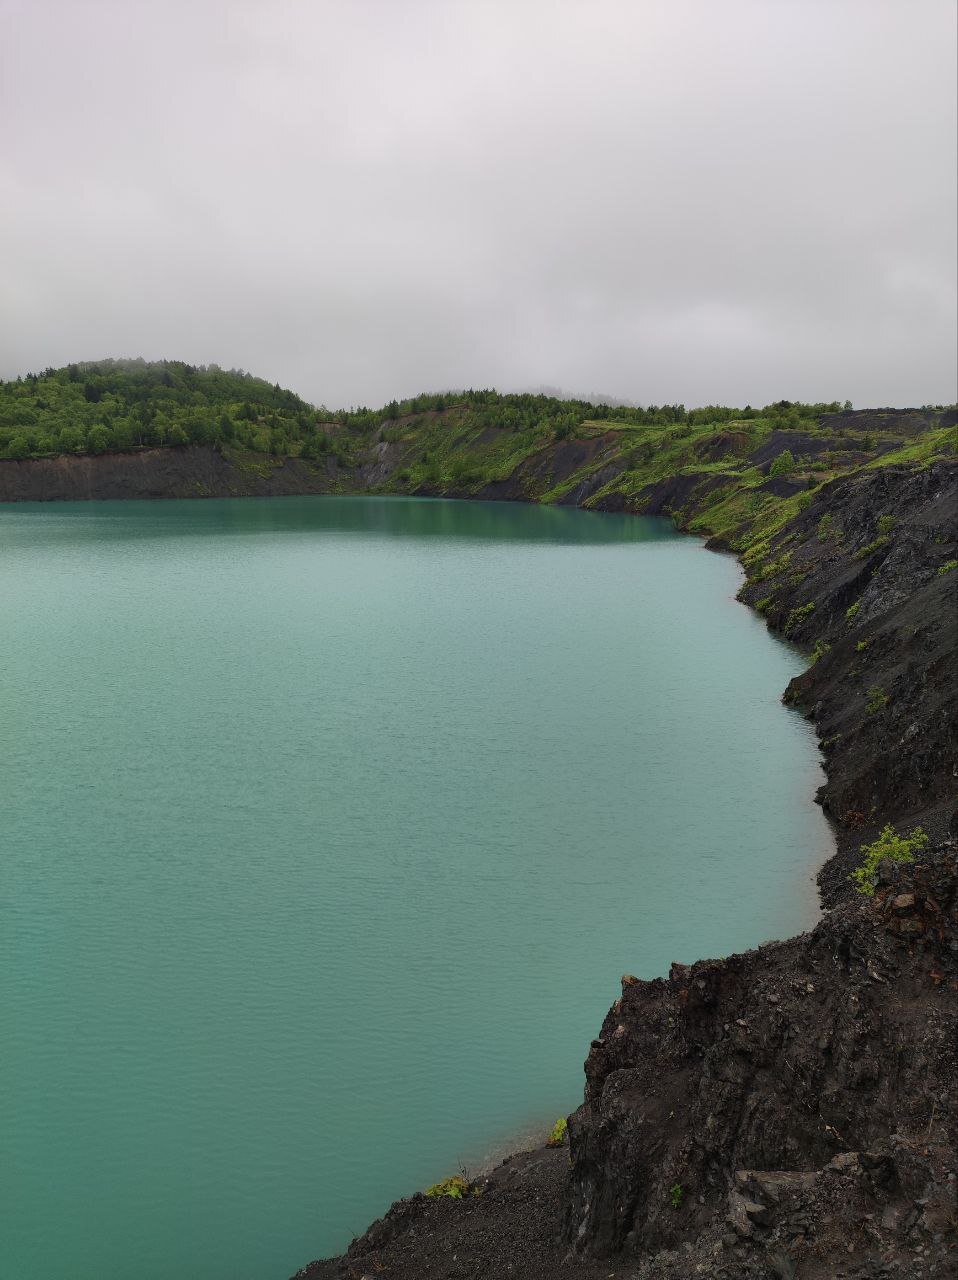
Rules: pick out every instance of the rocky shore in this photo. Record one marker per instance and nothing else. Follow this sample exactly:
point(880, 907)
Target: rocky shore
point(789, 1112)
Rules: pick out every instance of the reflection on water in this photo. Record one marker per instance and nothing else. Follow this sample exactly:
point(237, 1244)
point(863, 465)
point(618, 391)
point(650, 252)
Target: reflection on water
point(394, 517)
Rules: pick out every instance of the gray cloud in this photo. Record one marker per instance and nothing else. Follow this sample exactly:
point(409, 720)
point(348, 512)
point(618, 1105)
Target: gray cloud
point(658, 199)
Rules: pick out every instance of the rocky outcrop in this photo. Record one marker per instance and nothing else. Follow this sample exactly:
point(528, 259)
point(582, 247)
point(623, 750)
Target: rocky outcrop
point(723, 1102)
point(879, 610)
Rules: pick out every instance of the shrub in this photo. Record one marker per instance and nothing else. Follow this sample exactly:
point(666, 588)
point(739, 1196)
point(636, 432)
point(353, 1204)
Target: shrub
point(862, 646)
point(948, 566)
point(783, 464)
point(99, 439)
point(464, 472)
point(432, 475)
point(877, 699)
point(676, 1195)
point(558, 1134)
point(851, 613)
point(889, 845)
point(455, 1187)
point(19, 447)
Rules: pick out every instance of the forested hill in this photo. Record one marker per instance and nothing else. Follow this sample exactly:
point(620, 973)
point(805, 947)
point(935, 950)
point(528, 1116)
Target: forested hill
point(116, 405)
point(119, 405)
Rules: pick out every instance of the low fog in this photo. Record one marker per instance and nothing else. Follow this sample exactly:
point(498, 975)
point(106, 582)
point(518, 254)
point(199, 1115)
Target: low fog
point(360, 199)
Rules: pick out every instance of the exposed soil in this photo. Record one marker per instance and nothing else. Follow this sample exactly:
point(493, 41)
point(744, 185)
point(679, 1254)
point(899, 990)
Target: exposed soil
point(195, 472)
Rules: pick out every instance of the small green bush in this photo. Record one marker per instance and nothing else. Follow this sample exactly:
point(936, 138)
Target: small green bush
point(558, 1134)
point(948, 566)
point(862, 646)
point(851, 613)
point(455, 1187)
point(885, 525)
point(877, 699)
point(888, 845)
point(18, 447)
point(783, 464)
point(762, 605)
point(676, 1195)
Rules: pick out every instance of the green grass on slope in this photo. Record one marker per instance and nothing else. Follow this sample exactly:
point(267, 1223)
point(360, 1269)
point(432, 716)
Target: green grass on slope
point(923, 449)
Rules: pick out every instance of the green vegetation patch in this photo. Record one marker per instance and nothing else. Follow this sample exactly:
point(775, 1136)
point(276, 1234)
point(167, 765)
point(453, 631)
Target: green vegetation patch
point(456, 1188)
point(941, 442)
point(890, 846)
point(877, 699)
point(827, 528)
point(798, 615)
point(558, 1135)
point(117, 405)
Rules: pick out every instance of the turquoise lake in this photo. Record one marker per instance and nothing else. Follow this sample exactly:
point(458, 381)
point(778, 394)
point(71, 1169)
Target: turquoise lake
point(329, 826)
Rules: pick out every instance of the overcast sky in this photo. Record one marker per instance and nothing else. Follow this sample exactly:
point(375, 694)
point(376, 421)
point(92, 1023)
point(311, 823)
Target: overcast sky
point(660, 200)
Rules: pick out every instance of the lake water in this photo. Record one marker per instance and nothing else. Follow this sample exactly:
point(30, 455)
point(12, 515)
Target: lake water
point(329, 826)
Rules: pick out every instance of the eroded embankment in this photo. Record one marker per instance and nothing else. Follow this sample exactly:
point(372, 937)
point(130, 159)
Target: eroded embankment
point(197, 472)
point(790, 1111)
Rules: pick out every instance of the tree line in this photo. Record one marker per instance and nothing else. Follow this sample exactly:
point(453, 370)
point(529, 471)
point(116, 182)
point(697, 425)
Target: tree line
point(120, 405)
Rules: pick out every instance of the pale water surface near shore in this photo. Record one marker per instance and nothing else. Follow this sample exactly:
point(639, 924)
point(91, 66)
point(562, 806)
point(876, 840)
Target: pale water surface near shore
point(328, 828)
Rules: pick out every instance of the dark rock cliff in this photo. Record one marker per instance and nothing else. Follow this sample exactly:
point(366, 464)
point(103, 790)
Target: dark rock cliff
point(740, 1081)
point(190, 472)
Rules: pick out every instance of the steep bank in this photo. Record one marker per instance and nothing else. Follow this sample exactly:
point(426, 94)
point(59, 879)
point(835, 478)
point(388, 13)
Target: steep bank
point(198, 471)
point(800, 1097)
